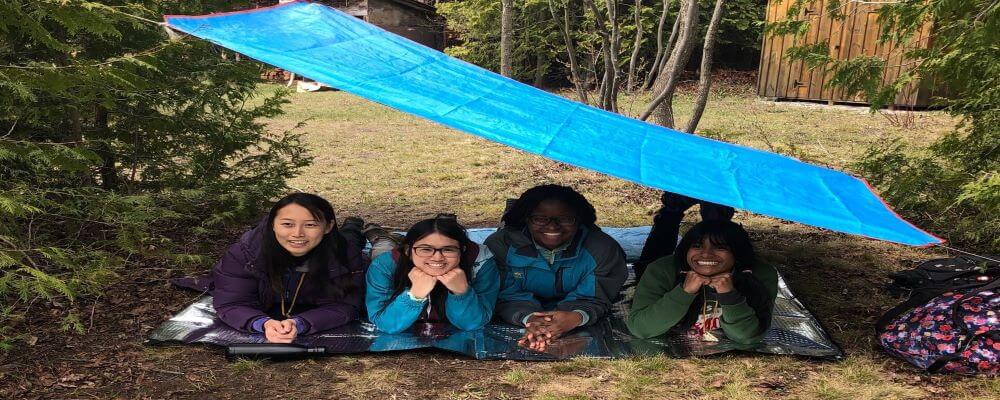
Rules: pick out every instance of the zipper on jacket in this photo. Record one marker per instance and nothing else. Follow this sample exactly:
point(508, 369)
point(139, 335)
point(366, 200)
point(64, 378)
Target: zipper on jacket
point(559, 283)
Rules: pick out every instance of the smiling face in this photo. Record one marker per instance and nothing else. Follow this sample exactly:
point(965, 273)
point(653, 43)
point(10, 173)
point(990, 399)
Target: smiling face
point(297, 230)
point(436, 254)
point(709, 259)
point(552, 223)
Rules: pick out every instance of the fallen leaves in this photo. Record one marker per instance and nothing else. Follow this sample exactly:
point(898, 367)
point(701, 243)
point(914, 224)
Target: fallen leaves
point(719, 382)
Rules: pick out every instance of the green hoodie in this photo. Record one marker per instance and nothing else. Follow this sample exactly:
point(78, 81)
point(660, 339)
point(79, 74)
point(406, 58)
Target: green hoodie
point(660, 302)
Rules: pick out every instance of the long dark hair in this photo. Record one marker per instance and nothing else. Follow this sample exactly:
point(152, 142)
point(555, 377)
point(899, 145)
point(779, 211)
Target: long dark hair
point(275, 261)
point(730, 235)
point(444, 225)
point(519, 212)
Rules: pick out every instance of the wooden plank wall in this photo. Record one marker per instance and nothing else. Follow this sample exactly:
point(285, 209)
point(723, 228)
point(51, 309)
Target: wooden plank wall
point(856, 35)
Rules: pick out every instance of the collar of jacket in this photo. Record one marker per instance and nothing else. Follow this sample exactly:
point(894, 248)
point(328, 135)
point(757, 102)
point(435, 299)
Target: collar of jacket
point(525, 246)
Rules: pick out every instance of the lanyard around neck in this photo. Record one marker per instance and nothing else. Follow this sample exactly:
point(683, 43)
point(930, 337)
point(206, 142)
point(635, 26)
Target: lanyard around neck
point(288, 314)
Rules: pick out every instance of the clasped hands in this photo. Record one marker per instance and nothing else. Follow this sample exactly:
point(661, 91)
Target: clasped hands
point(544, 327)
point(421, 283)
point(280, 331)
point(722, 283)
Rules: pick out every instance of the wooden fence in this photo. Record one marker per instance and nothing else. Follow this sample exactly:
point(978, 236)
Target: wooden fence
point(855, 35)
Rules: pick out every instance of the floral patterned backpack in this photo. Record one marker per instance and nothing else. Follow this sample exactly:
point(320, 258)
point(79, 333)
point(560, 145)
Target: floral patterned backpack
point(955, 331)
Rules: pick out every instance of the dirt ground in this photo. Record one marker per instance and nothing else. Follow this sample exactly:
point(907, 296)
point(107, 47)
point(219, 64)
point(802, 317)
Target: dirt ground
point(111, 361)
point(837, 276)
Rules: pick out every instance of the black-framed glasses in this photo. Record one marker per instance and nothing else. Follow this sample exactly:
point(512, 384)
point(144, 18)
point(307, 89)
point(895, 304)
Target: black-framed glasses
point(542, 220)
point(427, 251)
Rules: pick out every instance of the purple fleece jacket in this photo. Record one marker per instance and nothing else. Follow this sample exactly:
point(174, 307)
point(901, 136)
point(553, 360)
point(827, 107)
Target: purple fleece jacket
point(241, 293)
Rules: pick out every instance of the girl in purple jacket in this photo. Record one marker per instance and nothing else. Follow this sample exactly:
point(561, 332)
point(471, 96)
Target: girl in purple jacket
point(293, 274)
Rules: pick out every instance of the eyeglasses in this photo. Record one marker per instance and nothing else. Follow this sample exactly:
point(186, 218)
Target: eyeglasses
point(428, 251)
point(541, 220)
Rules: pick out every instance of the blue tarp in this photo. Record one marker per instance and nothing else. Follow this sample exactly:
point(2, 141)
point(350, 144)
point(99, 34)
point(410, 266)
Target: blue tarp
point(344, 52)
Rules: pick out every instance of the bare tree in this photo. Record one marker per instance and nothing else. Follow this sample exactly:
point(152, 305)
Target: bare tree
point(616, 41)
point(666, 81)
point(705, 80)
point(574, 66)
point(630, 85)
point(506, 30)
point(609, 83)
point(662, 51)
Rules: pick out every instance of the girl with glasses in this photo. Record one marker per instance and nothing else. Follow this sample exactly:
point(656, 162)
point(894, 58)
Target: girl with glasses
point(435, 275)
point(712, 286)
point(559, 270)
point(291, 275)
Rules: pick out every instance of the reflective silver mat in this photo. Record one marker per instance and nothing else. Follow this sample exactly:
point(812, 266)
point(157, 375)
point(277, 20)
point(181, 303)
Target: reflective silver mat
point(793, 330)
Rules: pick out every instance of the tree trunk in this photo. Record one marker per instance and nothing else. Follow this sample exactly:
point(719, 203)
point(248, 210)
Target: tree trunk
point(540, 69)
point(574, 67)
point(705, 80)
point(616, 41)
point(666, 81)
point(109, 173)
point(660, 59)
point(630, 85)
point(76, 130)
point(653, 69)
point(506, 28)
point(608, 88)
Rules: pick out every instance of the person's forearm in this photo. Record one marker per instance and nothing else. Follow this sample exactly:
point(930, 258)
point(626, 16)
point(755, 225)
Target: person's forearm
point(398, 315)
point(656, 318)
point(514, 312)
point(328, 316)
point(740, 323)
point(469, 310)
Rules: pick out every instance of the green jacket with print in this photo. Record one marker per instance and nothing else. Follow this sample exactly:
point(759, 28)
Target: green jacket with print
point(660, 302)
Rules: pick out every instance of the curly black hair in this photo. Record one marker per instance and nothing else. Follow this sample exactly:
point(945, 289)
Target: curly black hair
point(519, 212)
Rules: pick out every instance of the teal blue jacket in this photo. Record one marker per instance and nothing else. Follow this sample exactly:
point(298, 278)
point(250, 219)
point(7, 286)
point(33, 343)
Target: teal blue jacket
point(585, 277)
point(467, 311)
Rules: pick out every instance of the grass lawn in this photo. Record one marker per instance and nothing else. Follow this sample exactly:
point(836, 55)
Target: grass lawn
point(395, 169)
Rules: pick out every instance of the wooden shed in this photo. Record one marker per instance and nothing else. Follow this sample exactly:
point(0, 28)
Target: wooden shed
point(411, 19)
point(855, 35)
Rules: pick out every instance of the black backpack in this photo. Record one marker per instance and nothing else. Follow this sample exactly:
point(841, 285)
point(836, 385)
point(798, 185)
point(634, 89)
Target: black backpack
point(931, 278)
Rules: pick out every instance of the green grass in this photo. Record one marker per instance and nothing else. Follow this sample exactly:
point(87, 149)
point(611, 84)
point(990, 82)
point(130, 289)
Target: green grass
point(246, 365)
point(395, 169)
point(516, 376)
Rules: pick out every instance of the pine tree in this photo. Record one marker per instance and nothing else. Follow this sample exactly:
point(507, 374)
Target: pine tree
point(114, 139)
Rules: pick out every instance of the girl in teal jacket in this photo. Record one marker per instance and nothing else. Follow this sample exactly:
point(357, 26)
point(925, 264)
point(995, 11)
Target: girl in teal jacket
point(435, 275)
point(560, 271)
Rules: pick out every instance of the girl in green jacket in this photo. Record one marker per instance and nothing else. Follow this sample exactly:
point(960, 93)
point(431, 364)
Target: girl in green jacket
point(712, 285)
